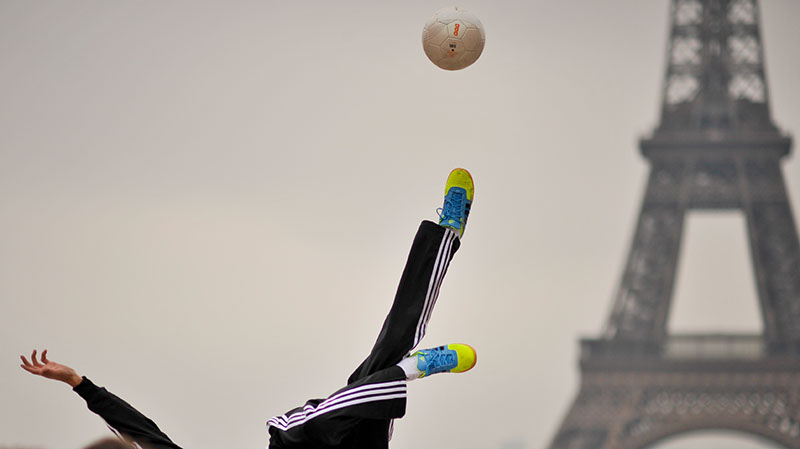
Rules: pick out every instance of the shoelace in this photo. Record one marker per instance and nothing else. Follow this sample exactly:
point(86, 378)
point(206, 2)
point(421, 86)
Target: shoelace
point(453, 203)
point(440, 359)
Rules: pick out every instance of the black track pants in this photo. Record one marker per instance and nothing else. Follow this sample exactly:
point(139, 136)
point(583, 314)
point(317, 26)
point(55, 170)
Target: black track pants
point(359, 415)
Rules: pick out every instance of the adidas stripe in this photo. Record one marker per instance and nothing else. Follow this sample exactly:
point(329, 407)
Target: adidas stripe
point(360, 395)
point(439, 269)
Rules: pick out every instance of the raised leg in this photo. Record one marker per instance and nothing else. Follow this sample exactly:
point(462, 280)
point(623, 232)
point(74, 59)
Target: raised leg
point(404, 327)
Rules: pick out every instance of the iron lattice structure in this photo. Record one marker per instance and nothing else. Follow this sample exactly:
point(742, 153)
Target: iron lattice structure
point(715, 148)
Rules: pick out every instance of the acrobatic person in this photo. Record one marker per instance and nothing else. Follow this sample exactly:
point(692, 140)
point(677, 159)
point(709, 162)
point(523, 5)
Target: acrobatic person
point(359, 416)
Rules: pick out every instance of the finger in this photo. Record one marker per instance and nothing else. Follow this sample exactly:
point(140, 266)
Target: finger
point(44, 356)
point(33, 359)
point(29, 369)
point(25, 361)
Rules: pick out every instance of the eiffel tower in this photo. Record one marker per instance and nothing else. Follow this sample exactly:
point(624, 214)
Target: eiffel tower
point(715, 148)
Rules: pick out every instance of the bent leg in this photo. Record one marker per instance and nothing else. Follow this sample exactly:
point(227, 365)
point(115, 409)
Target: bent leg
point(404, 327)
point(379, 397)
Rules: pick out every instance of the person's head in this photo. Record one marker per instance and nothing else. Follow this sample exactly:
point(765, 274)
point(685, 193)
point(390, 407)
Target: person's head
point(110, 443)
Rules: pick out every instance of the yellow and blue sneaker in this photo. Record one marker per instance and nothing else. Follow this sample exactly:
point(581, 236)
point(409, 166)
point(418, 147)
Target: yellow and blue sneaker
point(452, 358)
point(458, 194)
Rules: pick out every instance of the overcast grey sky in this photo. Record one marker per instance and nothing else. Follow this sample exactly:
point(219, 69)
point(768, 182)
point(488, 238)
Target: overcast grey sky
point(206, 206)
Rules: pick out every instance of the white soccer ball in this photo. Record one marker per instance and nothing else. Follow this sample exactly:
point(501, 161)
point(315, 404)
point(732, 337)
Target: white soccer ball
point(453, 38)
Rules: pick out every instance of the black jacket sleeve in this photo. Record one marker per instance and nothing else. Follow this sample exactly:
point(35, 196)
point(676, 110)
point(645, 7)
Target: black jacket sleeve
point(123, 418)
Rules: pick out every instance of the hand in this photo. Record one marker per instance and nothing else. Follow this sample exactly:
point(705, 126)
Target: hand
point(50, 370)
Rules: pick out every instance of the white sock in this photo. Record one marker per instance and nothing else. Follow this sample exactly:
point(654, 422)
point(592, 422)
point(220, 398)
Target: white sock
point(409, 366)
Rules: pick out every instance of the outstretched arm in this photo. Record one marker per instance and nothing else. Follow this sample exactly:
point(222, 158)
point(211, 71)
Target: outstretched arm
point(120, 416)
